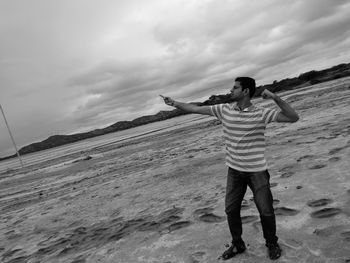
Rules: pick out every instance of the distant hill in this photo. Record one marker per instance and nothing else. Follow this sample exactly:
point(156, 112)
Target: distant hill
point(304, 79)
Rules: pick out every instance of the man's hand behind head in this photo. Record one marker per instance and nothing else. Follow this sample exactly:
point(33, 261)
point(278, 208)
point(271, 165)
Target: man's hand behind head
point(266, 94)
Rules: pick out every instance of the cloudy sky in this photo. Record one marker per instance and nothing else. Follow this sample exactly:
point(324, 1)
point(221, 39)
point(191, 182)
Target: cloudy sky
point(76, 65)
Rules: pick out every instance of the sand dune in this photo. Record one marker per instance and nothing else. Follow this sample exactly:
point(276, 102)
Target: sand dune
point(160, 198)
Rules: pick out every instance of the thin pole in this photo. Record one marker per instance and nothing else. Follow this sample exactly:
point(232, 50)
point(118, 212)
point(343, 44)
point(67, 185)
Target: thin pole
point(13, 141)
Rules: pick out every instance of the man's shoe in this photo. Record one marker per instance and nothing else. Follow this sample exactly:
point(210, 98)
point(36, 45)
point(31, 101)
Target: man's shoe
point(274, 250)
point(233, 250)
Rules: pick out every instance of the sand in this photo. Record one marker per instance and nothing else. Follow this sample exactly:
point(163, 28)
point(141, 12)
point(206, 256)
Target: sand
point(161, 198)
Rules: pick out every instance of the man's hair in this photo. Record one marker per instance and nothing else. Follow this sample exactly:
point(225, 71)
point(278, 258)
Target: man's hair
point(247, 83)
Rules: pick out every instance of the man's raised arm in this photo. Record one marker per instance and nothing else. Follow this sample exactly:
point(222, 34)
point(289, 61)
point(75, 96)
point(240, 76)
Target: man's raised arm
point(188, 107)
point(287, 114)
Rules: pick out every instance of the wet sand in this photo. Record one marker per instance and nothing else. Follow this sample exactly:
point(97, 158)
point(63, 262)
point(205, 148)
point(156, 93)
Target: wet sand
point(161, 198)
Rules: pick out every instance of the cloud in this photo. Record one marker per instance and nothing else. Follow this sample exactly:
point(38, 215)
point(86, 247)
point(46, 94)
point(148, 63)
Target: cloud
point(76, 65)
point(204, 52)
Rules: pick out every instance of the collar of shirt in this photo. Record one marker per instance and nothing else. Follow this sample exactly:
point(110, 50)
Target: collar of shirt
point(251, 107)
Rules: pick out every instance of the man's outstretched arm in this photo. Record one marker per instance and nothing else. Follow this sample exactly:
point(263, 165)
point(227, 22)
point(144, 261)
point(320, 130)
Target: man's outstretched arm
point(188, 107)
point(287, 113)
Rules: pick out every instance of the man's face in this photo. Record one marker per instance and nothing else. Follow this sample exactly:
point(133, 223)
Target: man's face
point(236, 91)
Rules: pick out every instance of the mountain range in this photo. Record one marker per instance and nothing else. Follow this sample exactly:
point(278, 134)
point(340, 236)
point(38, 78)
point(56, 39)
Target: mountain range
point(304, 79)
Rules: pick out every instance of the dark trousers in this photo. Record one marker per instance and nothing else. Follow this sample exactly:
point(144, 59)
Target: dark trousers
point(259, 183)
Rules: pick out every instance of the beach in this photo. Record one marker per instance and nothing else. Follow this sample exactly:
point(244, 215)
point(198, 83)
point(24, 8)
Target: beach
point(160, 198)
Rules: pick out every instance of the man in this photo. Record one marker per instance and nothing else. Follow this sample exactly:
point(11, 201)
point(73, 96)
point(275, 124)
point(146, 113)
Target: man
point(243, 126)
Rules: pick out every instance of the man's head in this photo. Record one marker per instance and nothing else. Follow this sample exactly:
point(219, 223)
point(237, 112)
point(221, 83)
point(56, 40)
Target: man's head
point(247, 85)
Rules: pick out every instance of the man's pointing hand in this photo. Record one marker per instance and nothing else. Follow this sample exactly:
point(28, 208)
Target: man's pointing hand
point(168, 101)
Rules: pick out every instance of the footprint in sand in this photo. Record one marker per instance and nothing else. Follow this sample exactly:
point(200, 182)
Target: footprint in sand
point(197, 198)
point(287, 174)
point(205, 215)
point(317, 166)
point(335, 150)
point(334, 159)
point(165, 215)
point(179, 225)
point(80, 230)
point(305, 157)
point(149, 226)
point(169, 219)
point(285, 211)
point(204, 210)
point(211, 218)
point(326, 212)
point(319, 202)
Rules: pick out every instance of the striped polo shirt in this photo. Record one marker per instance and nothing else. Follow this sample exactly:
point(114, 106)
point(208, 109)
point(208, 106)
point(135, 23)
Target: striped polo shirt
point(244, 135)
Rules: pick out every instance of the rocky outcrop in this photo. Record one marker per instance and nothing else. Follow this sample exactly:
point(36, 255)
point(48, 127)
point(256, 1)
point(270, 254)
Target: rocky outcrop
point(58, 140)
